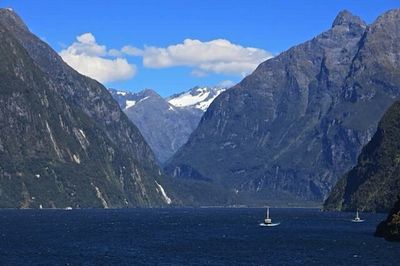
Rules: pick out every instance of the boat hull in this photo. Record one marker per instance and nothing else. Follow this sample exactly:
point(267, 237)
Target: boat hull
point(269, 225)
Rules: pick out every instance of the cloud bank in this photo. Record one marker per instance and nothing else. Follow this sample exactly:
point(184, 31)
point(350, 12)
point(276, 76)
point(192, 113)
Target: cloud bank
point(91, 59)
point(217, 56)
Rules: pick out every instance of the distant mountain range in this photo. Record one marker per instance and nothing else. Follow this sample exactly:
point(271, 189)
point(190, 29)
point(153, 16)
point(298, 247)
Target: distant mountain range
point(291, 129)
point(64, 141)
point(284, 135)
point(166, 124)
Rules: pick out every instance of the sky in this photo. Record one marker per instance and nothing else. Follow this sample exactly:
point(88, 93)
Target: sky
point(173, 45)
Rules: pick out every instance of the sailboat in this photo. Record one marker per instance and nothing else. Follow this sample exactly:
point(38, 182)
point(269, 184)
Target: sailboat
point(267, 220)
point(357, 219)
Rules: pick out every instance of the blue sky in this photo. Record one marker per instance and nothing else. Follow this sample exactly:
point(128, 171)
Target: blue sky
point(219, 35)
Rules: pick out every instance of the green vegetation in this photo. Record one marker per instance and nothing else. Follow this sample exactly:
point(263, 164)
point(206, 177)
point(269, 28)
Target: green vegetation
point(390, 228)
point(374, 183)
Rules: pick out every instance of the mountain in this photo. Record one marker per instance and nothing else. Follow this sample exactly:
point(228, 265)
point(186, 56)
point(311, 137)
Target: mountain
point(198, 98)
point(288, 131)
point(374, 183)
point(64, 141)
point(166, 124)
point(390, 228)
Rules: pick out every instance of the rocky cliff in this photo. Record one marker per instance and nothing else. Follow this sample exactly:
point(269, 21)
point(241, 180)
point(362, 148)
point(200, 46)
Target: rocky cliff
point(64, 141)
point(289, 130)
point(390, 228)
point(374, 183)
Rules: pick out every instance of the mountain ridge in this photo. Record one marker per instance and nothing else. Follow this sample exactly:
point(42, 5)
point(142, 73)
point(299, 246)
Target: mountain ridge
point(298, 122)
point(94, 156)
point(166, 123)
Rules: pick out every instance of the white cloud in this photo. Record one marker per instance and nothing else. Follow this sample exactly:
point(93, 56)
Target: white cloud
point(90, 59)
point(115, 53)
point(86, 38)
point(217, 56)
point(226, 83)
point(86, 44)
point(133, 51)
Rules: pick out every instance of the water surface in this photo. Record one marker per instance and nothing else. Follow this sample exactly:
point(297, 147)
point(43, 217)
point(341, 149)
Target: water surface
point(191, 236)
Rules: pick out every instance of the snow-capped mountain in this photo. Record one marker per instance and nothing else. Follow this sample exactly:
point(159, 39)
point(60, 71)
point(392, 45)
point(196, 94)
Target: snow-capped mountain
point(198, 97)
point(166, 124)
point(124, 99)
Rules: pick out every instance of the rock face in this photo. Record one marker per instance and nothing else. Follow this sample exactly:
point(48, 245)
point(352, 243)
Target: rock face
point(166, 124)
point(289, 130)
point(390, 228)
point(64, 141)
point(374, 183)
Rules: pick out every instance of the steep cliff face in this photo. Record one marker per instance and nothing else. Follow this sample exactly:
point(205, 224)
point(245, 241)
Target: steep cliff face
point(374, 183)
point(390, 228)
point(291, 128)
point(63, 140)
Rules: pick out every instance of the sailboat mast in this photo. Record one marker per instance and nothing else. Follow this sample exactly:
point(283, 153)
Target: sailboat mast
point(267, 212)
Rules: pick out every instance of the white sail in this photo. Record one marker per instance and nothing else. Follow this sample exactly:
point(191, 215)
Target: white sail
point(268, 220)
point(357, 218)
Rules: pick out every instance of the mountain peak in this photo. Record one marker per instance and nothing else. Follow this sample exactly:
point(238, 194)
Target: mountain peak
point(389, 16)
point(149, 92)
point(9, 17)
point(345, 17)
point(197, 97)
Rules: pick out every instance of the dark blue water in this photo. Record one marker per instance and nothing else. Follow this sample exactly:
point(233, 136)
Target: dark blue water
point(190, 236)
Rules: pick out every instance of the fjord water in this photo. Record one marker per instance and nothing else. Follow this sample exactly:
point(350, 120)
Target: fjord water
point(214, 236)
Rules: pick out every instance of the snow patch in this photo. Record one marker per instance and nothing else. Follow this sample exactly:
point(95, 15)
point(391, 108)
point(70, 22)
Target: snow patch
point(129, 104)
point(121, 93)
point(201, 100)
point(205, 104)
point(145, 98)
point(188, 99)
point(202, 90)
point(161, 189)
